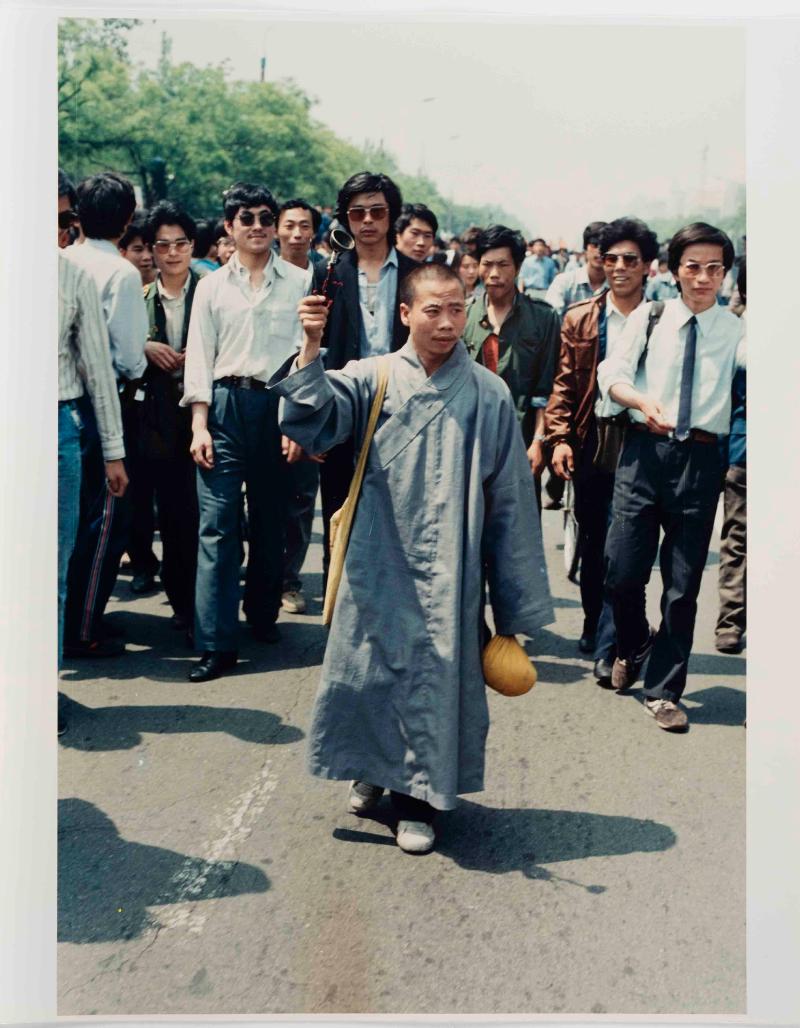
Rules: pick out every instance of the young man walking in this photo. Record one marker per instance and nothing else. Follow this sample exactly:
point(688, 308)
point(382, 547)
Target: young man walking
point(669, 471)
point(580, 283)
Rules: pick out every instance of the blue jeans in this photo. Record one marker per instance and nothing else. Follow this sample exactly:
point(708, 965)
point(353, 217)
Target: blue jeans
point(69, 497)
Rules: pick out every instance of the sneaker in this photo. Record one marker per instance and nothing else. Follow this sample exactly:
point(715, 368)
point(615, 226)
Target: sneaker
point(363, 797)
point(625, 672)
point(293, 601)
point(603, 671)
point(415, 836)
point(668, 715)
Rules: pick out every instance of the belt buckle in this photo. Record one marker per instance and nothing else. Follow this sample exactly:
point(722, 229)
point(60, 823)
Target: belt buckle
point(243, 381)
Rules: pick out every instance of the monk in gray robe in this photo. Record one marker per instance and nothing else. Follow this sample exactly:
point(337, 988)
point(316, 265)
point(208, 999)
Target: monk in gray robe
point(446, 506)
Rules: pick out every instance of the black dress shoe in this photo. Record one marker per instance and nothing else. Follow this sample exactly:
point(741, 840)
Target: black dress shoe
point(586, 643)
point(212, 665)
point(267, 633)
point(602, 672)
point(143, 583)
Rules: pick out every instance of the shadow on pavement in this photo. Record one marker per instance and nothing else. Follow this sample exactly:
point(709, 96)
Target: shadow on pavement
point(550, 673)
point(719, 705)
point(106, 883)
point(717, 664)
point(121, 728)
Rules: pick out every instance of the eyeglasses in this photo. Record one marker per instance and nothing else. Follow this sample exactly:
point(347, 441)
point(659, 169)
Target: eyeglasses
point(378, 211)
point(66, 218)
point(630, 260)
point(693, 268)
point(163, 246)
point(246, 218)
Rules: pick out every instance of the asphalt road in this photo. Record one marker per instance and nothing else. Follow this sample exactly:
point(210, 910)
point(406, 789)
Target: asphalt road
point(201, 870)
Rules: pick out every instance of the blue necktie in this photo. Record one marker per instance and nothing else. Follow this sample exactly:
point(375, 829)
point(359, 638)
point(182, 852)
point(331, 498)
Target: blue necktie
point(687, 379)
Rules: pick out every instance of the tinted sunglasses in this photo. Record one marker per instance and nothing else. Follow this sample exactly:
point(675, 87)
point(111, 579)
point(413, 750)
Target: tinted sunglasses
point(377, 212)
point(163, 246)
point(712, 268)
point(630, 260)
point(66, 219)
point(246, 218)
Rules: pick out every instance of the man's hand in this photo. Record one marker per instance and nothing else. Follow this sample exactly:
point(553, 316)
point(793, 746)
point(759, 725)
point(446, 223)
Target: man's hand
point(536, 457)
point(293, 452)
point(202, 449)
point(313, 313)
point(656, 419)
point(116, 477)
point(563, 462)
point(163, 356)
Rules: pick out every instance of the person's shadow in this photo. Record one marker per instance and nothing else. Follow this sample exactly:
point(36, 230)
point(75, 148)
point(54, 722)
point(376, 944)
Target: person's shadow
point(501, 840)
point(717, 705)
point(121, 728)
point(106, 883)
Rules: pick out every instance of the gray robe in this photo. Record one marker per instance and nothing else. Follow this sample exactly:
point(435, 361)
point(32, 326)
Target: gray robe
point(447, 499)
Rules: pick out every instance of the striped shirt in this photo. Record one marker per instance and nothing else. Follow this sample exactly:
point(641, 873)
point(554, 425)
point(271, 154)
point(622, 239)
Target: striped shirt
point(84, 357)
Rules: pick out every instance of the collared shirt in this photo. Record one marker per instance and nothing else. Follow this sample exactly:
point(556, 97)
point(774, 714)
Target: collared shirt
point(661, 287)
point(236, 329)
point(377, 302)
point(719, 334)
point(120, 287)
point(537, 272)
point(615, 323)
point(570, 287)
point(84, 355)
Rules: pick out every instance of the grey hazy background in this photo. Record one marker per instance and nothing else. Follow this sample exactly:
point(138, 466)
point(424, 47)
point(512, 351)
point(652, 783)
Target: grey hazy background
point(559, 124)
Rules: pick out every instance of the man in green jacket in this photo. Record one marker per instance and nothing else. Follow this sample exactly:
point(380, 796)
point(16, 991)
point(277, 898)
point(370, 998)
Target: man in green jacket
point(515, 336)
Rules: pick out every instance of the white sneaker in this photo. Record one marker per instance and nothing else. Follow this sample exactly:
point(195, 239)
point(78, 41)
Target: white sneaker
point(363, 797)
point(415, 836)
point(293, 602)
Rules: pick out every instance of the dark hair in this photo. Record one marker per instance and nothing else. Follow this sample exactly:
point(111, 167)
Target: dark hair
point(470, 238)
point(592, 233)
point(407, 290)
point(166, 212)
point(539, 240)
point(741, 279)
point(316, 217)
point(699, 232)
point(138, 228)
point(458, 259)
point(416, 210)
point(368, 182)
point(205, 237)
point(66, 188)
point(498, 235)
point(105, 205)
point(246, 194)
point(634, 229)
point(220, 232)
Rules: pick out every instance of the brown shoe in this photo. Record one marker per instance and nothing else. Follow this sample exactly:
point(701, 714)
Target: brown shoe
point(625, 672)
point(668, 715)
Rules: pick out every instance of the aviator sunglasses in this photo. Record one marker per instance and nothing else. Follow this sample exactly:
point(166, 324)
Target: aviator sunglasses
point(377, 212)
point(629, 260)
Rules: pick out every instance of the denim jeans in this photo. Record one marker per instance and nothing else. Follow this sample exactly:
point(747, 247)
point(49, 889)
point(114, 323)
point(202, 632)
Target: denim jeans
point(69, 496)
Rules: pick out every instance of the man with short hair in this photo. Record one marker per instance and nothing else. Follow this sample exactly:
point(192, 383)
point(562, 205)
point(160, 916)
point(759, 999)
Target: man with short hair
point(67, 213)
point(106, 204)
point(244, 325)
point(514, 336)
point(365, 316)
point(136, 247)
point(537, 271)
point(584, 281)
point(298, 223)
point(415, 231)
point(662, 285)
point(446, 505)
point(678, 392)
point(589, 332)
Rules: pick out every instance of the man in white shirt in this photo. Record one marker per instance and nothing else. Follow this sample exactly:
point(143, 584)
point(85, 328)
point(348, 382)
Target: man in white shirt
point(589, 333)
point(106, 204)
point(669, 471)
point(244, 326)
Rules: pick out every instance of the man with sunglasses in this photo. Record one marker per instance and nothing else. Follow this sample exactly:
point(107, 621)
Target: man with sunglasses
point(243, 327)
point(589, 332)
point(677, 389)
point(365, 317)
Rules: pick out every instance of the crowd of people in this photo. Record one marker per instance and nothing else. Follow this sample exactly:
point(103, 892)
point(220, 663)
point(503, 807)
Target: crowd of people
point(213, 381)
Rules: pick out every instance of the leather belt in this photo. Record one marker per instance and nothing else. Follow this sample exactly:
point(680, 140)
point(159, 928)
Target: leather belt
point(242, 382)
point(696, 434)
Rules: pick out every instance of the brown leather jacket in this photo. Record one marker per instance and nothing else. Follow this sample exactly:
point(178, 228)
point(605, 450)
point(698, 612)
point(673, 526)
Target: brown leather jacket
point(570, 408)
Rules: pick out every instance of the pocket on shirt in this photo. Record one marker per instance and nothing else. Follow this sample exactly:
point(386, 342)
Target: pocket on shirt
point(284, 323)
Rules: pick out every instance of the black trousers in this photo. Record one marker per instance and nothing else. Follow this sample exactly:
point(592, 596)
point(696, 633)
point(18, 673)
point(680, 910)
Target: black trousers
point(594, 490)
point(661, 483)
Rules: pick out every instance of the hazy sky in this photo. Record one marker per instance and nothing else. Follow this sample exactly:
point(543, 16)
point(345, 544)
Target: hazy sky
point(559, 124)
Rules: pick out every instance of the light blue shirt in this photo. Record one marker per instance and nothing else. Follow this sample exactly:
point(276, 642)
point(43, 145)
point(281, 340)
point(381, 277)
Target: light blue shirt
point(537, 272)
point(377, 301)
point(719, 335)
point(570, 287)
point(120, 287)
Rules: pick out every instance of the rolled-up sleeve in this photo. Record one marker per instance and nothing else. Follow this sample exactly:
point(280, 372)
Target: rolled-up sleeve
point(126, 317)
point(621, 364)
point(556, 294)
point(201, 348)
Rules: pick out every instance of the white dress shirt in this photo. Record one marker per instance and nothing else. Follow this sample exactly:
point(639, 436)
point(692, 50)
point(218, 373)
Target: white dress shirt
point(238, 330)
point(615, 323)
point(719, 334)
point(84, 356)
point(120, 287)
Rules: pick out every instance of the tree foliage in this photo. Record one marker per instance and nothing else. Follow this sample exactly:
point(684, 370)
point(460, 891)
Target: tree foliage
point(209, 130)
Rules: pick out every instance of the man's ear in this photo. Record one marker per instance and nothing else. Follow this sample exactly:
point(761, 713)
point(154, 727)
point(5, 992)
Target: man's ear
point(405, 310)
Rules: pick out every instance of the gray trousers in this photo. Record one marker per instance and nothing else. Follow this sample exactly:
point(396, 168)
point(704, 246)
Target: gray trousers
point(733, 555)
point(303, 487)
point(247, 449)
